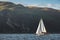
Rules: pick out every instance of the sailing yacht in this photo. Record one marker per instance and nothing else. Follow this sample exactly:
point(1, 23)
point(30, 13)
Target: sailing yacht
point(41, 30)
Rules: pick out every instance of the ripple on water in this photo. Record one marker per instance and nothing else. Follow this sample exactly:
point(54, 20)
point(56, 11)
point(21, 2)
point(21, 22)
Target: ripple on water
point(29, 37)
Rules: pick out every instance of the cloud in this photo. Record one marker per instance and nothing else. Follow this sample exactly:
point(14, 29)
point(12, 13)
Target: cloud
point(49, 5)
point(55, 6)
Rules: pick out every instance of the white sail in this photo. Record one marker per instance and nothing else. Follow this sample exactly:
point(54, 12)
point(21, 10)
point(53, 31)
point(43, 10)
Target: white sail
point(41, 28)
point(38, 32)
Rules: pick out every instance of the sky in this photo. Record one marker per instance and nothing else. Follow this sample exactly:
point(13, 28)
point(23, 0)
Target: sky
point(39, 3)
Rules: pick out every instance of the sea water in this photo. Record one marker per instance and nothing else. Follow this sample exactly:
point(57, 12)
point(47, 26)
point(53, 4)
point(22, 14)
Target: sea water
point(29, 37)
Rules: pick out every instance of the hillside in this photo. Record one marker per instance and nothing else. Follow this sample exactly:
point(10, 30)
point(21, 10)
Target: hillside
point(16, 18)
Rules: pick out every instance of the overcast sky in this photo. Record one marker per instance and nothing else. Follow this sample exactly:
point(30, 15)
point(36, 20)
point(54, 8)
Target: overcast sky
point(40, 3)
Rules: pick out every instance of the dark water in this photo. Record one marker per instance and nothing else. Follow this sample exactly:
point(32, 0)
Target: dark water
point(29, 37)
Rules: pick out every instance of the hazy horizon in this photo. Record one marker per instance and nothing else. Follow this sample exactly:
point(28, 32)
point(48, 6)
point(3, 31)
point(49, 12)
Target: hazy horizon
point(39, 3)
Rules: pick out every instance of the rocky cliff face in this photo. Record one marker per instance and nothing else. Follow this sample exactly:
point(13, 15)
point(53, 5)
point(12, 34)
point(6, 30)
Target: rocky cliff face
point(19, 19)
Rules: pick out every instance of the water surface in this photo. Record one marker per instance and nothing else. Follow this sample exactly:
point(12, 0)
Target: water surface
point(29, 37)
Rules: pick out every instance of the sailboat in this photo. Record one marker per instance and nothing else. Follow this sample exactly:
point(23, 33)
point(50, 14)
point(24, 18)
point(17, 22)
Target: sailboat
point(41, 30)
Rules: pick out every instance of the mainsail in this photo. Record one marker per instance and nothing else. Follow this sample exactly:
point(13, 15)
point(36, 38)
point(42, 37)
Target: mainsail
point(41, 28)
